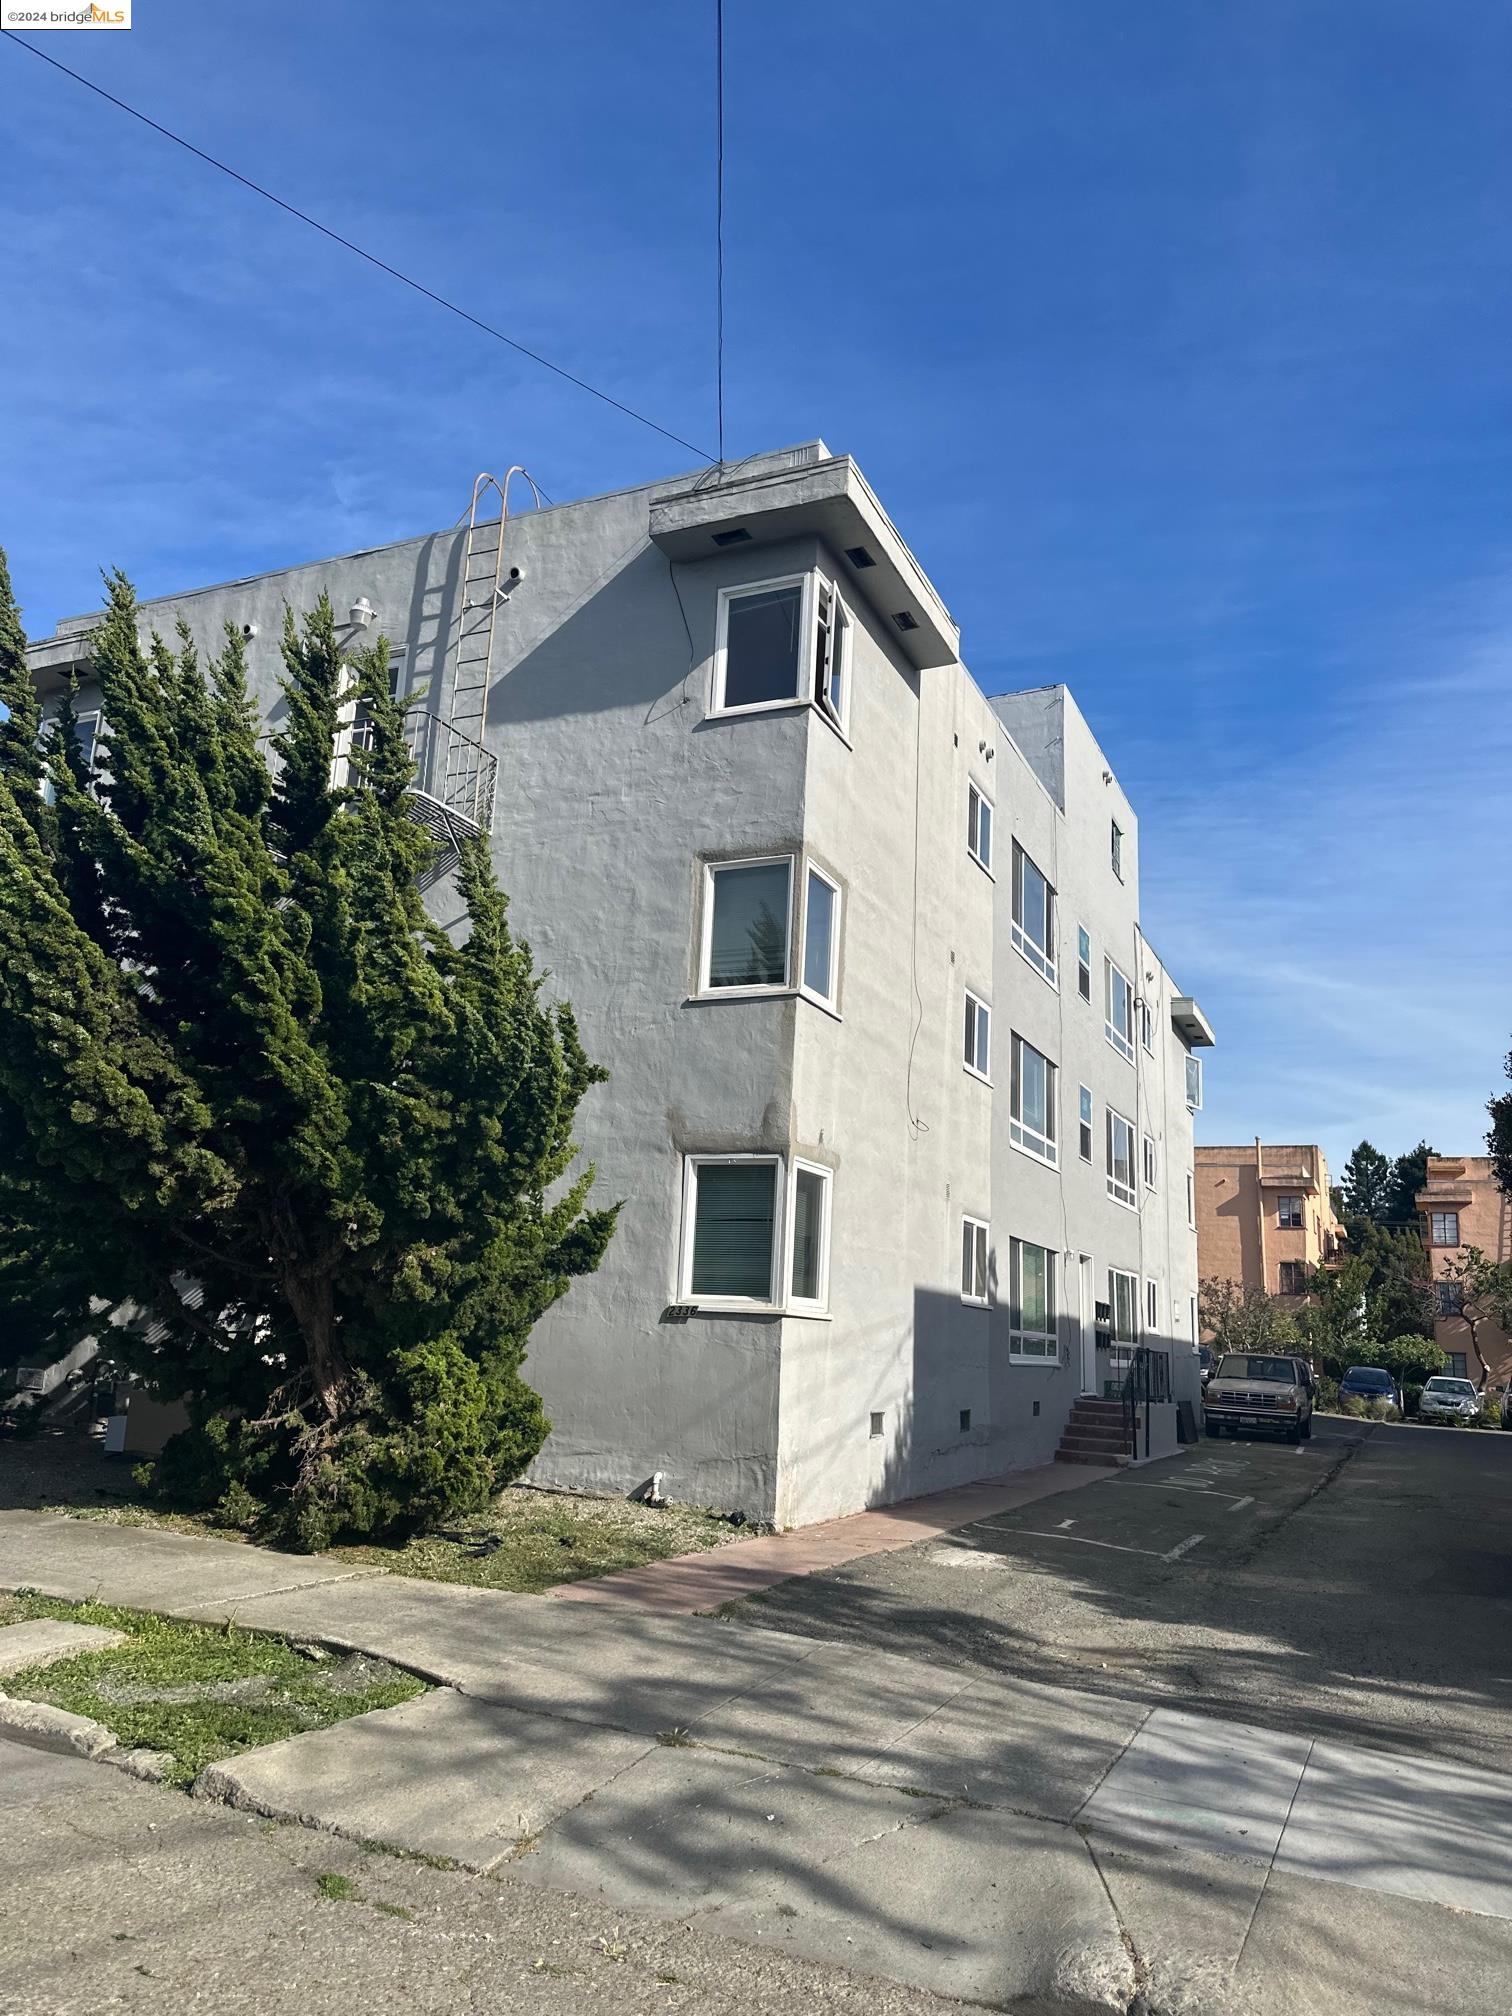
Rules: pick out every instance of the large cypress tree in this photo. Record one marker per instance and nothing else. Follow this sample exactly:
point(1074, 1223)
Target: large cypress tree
point(312, 1153)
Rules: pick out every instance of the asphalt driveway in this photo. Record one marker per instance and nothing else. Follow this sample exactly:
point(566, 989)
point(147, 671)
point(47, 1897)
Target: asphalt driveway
point(1359, 1586)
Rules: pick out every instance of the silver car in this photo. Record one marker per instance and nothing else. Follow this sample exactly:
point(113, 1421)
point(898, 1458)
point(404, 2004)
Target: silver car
point(1448, 1399)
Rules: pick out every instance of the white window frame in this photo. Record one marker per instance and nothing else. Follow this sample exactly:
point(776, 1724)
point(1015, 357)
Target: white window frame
point(1086, 1118)
point(1193, 1083)
point(1028, 1140)
point(976, 801)
point(1084, 963)
point(1042, 961)
point(1032, 1347)
point(1149, 1162)
point(841, 652)
point(1191, 1183)
point(1123, 1044)
point(1115, 848)
point(713, 869)
point(811, 1305)
point(832, 999)
point(983, 1009)
point(691, 1166)
point(1146, 1021)
point(1121, 1349)
point(806, 624)
point(981, 1236)
point(1152, 1308)
point(1129, 1198)
point(96, 716)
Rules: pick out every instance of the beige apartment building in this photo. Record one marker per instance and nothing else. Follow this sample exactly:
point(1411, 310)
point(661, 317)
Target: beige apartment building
point(1264, 1215)
point(1461, 1206)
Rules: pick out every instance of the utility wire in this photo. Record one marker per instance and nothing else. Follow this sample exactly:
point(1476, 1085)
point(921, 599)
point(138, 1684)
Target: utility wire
point(371, 257)
point(719, 181)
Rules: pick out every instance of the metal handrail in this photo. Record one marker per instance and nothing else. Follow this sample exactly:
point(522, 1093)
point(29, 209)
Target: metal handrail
point(1147, 1383)
point(452, 769)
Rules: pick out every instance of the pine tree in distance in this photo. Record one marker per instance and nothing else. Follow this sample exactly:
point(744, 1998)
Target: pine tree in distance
point(253, 1097)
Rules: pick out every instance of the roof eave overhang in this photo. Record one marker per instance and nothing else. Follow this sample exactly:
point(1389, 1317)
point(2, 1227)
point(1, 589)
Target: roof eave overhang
point(831, 501)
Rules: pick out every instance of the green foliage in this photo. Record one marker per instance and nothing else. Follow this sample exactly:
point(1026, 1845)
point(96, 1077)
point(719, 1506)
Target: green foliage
point(1333, 1322)
point(1365, 1183)
point(1409, 1173)
point(1353, 1406)
point(1411, 1395)
point(1326, 1399)
point(237, 1057)
point(1245, 1319)
point(1382, 1410)
point(1499, 1134)
point(1490, 1415)
point(1408, 1357)
point(197, 1667)
point(1398, 1294)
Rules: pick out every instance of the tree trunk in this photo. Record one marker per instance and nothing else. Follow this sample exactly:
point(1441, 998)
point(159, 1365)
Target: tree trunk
point(312, 1299)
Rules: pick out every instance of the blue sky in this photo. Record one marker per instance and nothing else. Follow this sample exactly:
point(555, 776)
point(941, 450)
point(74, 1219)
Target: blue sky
point(1175, 337)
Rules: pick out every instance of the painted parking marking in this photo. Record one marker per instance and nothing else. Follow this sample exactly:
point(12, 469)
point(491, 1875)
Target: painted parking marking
point(1081, 1539)
point(1240, 1505)
point(1201, 1490)
point(1183, 1547)
point(1065, 1523)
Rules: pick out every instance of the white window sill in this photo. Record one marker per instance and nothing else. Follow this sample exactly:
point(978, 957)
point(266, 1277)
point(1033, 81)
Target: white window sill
point(1128, 1203)
point(1046, 1161)
point(980, 1076)
point(840, 732)
point(1119, 1049)
point(983, 865)
point(970, 1302)
point(1049, 1362)
point(788, 705)
point(741, 994)
point(713, 1306)
point(818, 1001)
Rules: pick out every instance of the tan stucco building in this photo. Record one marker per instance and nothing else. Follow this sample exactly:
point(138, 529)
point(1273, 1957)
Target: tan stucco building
point(1264, 1214)
point(1461, 1206)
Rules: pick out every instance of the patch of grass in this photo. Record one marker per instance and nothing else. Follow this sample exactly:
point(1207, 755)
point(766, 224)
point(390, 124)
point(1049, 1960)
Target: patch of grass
point(339, 1889)
point(195, 1660)
point(526, 1541)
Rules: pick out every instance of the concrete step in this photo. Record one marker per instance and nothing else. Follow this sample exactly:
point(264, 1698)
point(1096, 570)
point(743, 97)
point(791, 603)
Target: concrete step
point(1081, 1445)
point(1102, 1461)
point(1093, 1438)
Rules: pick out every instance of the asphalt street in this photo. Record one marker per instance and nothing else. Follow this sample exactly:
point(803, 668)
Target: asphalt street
point(1356, 1587)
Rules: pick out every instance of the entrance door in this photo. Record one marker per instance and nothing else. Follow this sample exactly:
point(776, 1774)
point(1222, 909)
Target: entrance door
point(1086, 1317)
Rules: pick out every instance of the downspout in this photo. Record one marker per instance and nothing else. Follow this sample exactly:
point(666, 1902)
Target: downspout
point(1260, 1213)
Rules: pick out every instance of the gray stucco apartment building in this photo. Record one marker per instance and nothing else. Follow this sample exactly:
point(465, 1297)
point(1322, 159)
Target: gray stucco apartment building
point(901, 1098)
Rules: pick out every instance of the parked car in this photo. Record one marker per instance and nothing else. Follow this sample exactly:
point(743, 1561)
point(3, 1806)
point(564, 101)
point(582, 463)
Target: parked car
point(1369, 1382)
point(1504, 1401)
point(1448, 1399)
point(1254, 1392)
point(1205, 1363)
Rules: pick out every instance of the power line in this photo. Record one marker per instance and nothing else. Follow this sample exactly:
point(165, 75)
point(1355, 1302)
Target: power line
point(371, 257)
point(719, 179)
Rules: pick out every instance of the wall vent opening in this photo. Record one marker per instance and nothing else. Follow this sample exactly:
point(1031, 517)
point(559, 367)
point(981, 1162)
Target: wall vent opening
point(737, 536)
point(876, 1424)
point(859, 557)
point(904, 621)
point(965, 1419)
point(1036, 1406)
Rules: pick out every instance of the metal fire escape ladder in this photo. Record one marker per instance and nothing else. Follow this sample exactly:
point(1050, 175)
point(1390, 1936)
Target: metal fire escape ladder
point(455, 774)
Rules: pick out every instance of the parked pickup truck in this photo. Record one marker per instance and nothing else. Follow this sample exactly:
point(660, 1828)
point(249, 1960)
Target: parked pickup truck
point(1254, 1393)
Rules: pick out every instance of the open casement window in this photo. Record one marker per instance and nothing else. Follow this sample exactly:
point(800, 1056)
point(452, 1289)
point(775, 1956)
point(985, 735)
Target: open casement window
point(1031, 1101)
point(834, 634)
point(978, 1044)
point(974, 1261)
point(1115, 848)
point(1084, 1123)
point(808, 1265)
point(1146, 1027)
point(821, 937)
point(1033, 915)
point(1123, 1303)
point(979, 827)
point(1083, 962)
point(1118, 1010)
point(732, 1230)
point(1120, 1159)
point(1031, 1289)
point(1194, 1084)
point(1149, 1162)
point(748, 924)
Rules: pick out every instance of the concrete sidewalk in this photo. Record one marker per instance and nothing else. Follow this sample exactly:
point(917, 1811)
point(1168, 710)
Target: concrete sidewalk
point(990, 1839)
point(686, 1583)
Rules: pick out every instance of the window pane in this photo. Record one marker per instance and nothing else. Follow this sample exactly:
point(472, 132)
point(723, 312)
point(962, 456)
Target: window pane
point(761, 646)
point(808, 1233)
point(968, 1253)
point(984, 832)
point(748, 935)
point(734, 1223)
point(819, 940)
point(981, 1263)
point(1086, 1106)
point(1034, 1289)
point(1031, 1092)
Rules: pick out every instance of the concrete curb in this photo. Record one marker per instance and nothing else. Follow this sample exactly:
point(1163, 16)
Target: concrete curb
point(43, 1727)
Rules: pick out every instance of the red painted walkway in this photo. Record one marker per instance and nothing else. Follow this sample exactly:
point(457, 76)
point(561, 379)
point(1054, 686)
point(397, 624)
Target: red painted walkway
point(686, 1583)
